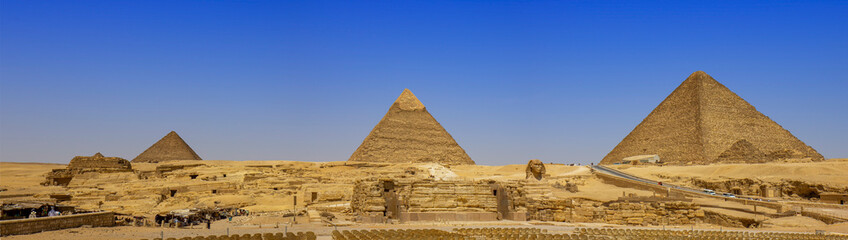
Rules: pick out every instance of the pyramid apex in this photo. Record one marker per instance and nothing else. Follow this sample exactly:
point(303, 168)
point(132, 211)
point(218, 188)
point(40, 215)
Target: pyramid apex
point(699, 75)
point(98, 155)
point(408, 101)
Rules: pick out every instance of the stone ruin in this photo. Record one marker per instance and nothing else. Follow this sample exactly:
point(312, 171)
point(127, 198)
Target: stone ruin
point(409, 134)
point(98, 161)
point(703, 122)
point(384, 200)
point(83, 164)
point(378, 200)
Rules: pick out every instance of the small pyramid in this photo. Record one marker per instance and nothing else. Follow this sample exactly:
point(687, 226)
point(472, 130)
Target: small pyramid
point(699, 121)
point(409, 134)
point(170, 147)
point(742, 151)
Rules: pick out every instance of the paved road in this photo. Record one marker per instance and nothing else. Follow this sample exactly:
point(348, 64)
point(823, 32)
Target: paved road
point(839, 214)
point(620, 174)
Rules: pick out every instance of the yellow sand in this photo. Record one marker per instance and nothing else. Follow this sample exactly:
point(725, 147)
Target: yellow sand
point(18, 175)
point(827, 172)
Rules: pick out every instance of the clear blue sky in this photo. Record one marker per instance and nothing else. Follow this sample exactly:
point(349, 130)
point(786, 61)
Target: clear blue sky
point(562, 81)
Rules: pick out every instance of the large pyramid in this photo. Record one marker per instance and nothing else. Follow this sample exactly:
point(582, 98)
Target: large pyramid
point(703, 122)
point(170, 147)
point(409, 134)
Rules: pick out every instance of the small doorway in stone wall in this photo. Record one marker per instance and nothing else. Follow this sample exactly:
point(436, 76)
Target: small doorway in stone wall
point(173, 192)
point(502, 199)
point(390, 196)
point(841, 202)
point(314, 197)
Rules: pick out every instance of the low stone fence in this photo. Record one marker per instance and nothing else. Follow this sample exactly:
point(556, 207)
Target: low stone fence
point(34, 225)
point(448, 216)
point(829, 218)
point(817, 205)
point(627, 183)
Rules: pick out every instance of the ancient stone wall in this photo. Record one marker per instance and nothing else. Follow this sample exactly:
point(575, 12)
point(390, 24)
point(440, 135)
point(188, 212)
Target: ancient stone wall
point(26, 226)
point(627, 213)
point(367, 197)
point(395, 198)
point(98, 161)
point(449, 196)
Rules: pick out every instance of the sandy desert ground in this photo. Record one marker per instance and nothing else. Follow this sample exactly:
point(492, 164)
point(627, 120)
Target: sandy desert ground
point(26, 178)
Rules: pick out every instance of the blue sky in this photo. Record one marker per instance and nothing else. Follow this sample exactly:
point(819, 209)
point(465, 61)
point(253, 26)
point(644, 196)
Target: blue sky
point(510, 80)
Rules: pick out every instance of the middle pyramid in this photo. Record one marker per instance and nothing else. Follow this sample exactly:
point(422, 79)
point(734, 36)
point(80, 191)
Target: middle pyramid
point(409, 134)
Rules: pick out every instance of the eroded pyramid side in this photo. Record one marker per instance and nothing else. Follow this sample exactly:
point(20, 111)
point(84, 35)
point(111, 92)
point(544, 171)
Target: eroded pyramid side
point(171, 147)
point(409, 134)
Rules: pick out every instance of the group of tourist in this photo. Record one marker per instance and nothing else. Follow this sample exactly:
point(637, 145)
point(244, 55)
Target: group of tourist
point(197, 217)
point(45, 213)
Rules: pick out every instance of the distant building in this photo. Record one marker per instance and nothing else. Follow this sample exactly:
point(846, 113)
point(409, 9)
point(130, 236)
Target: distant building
point(641, 159)
point(834, 198)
